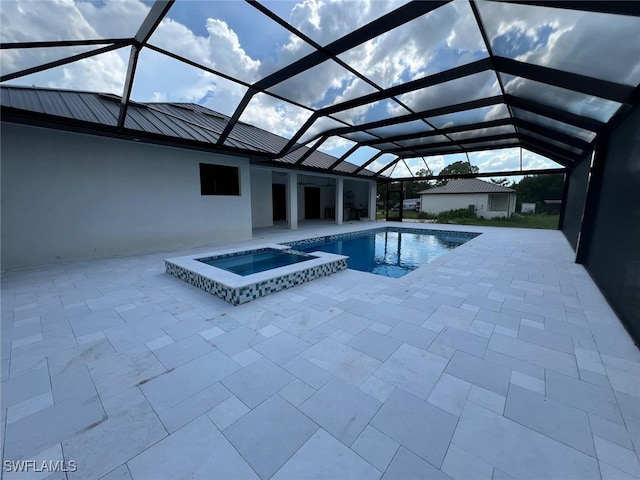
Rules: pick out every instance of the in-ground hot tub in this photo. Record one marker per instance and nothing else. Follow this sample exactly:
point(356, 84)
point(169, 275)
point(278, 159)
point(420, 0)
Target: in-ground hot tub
point(239, 276)
point(256, 261)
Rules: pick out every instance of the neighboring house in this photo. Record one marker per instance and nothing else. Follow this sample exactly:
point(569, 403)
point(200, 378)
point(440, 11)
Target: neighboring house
point(486, 199)
point(74, 186)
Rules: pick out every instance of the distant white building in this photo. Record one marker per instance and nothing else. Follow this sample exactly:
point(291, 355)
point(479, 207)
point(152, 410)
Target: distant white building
point(485, 199)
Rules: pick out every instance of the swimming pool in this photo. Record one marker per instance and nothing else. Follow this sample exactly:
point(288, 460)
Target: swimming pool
point(391, 252)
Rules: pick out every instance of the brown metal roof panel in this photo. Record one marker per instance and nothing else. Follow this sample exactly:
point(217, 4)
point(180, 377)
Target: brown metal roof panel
point(213, 125)
point(346, 167)
point(53, 104)
point(137, 120)
point(164, 124)
point(467, 185)
point(292, 157)
point(208, 112)
point(252, 140)
point(236, 144)
point(5, 98)
point(190, 132)
point(78, 108)
point(100, 109)
point(25, 100)
point(257, 137)
point(319, 160)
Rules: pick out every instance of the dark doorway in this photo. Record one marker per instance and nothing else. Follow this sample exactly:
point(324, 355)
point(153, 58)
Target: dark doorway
point(279, 201)
point(311, 202)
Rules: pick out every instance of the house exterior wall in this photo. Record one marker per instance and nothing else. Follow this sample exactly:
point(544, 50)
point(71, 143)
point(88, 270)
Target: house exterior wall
point(69, 196)
point(435, 203)
point(261, 198)
point(452, 201)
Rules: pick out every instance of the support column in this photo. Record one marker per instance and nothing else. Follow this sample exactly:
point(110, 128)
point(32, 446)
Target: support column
point(373, 201)
point(339, 201)
point(292, 200)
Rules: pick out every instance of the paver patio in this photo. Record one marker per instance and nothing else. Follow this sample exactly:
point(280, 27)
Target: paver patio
point(498, 360)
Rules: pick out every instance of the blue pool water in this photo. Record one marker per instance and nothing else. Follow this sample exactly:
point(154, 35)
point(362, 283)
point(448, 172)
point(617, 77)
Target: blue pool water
point(248, 263)
point(392, 253)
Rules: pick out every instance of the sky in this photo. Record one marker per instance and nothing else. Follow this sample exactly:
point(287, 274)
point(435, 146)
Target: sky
point(235, 39)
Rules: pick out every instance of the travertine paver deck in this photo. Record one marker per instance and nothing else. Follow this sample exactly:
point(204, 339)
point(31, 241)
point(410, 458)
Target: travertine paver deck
point(499, 360)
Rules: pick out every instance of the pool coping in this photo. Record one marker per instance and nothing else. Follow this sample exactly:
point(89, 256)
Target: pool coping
point(238, 289)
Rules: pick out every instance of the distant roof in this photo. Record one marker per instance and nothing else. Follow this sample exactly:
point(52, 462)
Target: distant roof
point(172, 121)
point(467, 185)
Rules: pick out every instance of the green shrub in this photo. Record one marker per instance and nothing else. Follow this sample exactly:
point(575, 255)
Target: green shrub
point(455, 216)
point(427, 216)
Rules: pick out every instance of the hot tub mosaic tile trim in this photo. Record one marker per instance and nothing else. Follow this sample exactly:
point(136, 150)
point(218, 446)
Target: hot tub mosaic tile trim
point(240, 290)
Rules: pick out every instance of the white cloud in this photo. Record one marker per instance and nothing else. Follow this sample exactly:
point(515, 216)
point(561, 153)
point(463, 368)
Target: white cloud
point(412, 50)
point(336, 146)
point(63, 20)
point(275, 116)
point(588, 43)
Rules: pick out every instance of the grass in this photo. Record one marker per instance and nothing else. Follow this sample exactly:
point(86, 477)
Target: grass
point(548, 222)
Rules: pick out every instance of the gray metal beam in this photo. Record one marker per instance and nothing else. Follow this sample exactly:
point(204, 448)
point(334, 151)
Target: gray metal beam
point(310, 150)
point(441, 131)
point(65, 43)
point(585, 123)
point(128, 85)
point(507, 173)
point(58, 63)
point(616, 7)
point(387, 22)
point(343, 157)
point(157, 12)
point(616, 92)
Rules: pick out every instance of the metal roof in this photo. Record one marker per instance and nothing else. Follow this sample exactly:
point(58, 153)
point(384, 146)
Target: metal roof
point(189, 122)
point(511, 88)
point(467, 185)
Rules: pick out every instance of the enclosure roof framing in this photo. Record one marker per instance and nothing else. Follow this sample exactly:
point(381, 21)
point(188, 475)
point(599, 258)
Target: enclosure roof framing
point(505, 84)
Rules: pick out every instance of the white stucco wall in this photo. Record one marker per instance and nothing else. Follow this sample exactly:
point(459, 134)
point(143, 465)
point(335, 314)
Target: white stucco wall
point(441, 203)
point(261, 198)
point(451, 201)
point(69, 196)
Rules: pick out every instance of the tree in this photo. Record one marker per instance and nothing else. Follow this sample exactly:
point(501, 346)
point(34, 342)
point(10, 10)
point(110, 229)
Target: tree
point(503, 182)
point(538, 188)
point(456, 168)
point(412, 188)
